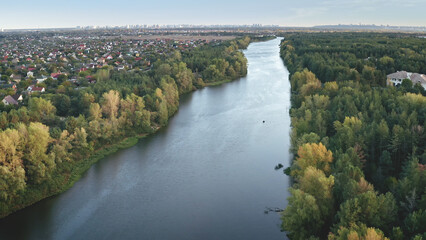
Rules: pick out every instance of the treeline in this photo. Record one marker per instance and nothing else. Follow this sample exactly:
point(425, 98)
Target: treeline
point(363, 57)
point(360, 162)
point(52, 138)
point(221, 63)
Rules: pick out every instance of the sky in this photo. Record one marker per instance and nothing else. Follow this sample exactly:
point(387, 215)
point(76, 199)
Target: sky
point(16, 14)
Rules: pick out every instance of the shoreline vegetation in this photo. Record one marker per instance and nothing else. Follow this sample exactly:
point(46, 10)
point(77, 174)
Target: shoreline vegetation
point(359, 146)
point(49, 150)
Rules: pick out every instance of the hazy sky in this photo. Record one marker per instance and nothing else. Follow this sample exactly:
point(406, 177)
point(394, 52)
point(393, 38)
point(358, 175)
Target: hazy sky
point(71, 13)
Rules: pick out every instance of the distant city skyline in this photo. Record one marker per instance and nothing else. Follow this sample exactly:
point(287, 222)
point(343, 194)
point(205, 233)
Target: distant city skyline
point(301, 13)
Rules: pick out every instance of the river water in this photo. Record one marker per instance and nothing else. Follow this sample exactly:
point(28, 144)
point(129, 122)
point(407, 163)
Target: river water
point(208, 175)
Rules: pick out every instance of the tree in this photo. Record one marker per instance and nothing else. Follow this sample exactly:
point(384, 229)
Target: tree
point(212, 73)
point(387, 64)
point(347, 133)
point(305, 77)
point(368, 208)
point(12, 173)
point(80, 146)
point(184, 78)
point(171, 94)
point(102, 75)
point(83, 103)
point(35, 139)
point(415, 223)
point(41, 109)
point(310, 88)
point(163, 70)
point(302, 211)
point(305, 138)
point(110, 103)
point(3, 120)
point(62, 104)
point(358, 233)
point(95, 111)
point(161, 107)
point(407, 84)
point(61, 147)
point(315, 155)
point(315, 183)
point(320, 187)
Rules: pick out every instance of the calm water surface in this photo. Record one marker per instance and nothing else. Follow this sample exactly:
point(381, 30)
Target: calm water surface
point(208, 175)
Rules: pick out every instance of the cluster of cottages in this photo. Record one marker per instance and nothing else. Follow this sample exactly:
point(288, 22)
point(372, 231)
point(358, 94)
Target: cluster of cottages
point(33, 54)
point(38, 57)
point(395, 79)
point(17, 98)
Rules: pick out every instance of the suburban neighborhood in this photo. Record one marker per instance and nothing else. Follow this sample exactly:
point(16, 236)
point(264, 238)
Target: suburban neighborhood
point(39, 62)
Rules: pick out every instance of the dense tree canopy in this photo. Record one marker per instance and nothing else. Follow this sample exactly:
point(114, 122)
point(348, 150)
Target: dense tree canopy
point(360, 147)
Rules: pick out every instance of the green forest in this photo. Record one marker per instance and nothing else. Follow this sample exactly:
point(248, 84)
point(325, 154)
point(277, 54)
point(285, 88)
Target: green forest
point(51, 139)
point(359, 165)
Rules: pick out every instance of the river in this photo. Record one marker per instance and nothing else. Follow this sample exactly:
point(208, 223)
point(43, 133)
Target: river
point(208, 175)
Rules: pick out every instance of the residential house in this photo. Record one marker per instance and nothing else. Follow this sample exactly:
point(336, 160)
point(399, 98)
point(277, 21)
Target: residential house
point(419, 78)
point(33, 88)
point(41, 79)
point(16, 77)
point(395, 79)
point(17, 97)
point(9, 100)
point(56, 75)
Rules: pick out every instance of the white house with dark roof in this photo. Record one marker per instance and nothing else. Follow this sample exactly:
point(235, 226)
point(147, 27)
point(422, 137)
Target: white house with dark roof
point(33, 88)
point(395, 79)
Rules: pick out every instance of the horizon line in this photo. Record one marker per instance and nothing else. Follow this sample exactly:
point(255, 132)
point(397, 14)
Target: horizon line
point(186, 25)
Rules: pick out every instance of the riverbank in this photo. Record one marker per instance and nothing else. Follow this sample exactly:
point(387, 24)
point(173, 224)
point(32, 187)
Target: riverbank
point(65, 182)
point(63, 178)
point(205, 174)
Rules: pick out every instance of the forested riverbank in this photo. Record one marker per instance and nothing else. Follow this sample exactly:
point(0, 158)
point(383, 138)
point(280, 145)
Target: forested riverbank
point(359, 145)
point(208, 174)
point(53, 138)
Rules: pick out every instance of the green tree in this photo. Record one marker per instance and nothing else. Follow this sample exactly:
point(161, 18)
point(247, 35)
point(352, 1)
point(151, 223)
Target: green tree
point(315, 155)
point(110, 104)
point(369, 208)
point(41, 109)
point(12, 172)
point(62, 104)
point(302, 211)
point(35, 139)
